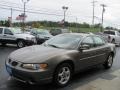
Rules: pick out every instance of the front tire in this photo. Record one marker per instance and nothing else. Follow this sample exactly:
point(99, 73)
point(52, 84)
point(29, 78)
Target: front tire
point(62, 75)
point(20, 43)
point(108, 64)
point(113, 41)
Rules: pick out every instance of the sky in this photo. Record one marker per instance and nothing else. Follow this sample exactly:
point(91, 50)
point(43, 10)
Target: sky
point(78, 10)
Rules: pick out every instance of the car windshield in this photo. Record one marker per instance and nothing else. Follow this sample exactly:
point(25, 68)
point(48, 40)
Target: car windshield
point(43, 32)
point(64, 41)
point(109, 32)
point(16, 30)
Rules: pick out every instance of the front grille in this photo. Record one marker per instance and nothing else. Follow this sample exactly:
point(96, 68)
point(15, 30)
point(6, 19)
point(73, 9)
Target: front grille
point(22, 76)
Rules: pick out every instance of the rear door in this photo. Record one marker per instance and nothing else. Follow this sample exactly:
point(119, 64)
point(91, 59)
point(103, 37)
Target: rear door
point(8, 36)
point(101, 49)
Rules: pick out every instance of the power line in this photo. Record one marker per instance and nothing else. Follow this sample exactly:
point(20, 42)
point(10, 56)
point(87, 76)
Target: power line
point(31, 11)
point(7, 7)
point(108, 22)
point(45, 9)
point(26, 9)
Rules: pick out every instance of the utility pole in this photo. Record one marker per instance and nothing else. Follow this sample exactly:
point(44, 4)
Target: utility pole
point(93, 19)
point(103, 11)
point(11, 17)
point(64, 9)
point(77, 24)
point(24, 13)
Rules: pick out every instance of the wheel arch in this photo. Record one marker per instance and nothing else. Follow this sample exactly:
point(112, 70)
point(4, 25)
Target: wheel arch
point(19, 39)
point(66, 61)
point(112, 53)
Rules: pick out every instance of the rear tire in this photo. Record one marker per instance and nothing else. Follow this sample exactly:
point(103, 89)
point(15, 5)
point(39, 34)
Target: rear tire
point(20, 43)
point(62, 75)
point(108, 64)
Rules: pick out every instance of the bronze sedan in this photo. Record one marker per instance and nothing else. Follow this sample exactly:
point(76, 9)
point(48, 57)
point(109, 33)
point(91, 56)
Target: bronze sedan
point(59, 58)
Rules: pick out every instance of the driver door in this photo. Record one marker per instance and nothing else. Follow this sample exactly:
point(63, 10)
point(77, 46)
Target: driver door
point(87, 57)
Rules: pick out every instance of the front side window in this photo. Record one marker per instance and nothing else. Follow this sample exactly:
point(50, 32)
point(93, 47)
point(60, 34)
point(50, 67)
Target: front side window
point(88, 41)
point(99, 41)
point(7, 31)
point(1, 30)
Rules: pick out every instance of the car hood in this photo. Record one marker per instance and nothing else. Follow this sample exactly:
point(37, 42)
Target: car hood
point(35, 54)
point(45, 36)
point(24, 35)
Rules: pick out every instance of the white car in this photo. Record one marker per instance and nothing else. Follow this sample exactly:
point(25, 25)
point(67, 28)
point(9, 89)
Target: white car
point(112, 36)
point(15, 36)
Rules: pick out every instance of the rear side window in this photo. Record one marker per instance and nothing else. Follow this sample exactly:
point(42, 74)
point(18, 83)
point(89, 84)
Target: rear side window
point(1, 30)
point(99, 41)
point(109, 32)
point(7, 31)
point(118, 33)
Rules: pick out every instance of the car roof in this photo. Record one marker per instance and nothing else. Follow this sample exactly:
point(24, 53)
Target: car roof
point(3, 27)
point(81, 34)
point(111, 30)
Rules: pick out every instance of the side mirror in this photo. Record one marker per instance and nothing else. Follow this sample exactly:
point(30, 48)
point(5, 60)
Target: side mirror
point(84, 47)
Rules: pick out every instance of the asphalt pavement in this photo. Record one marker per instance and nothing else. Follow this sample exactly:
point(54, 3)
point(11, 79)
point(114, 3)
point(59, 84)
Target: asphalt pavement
point(94, 75)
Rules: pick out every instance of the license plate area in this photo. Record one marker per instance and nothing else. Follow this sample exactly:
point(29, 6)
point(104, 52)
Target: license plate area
point(9, 70)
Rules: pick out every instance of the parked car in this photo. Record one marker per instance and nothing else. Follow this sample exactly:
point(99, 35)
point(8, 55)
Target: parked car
point(58, 31)
point(59, 58)
point(112, 36)
point(15, 36)
point(41, 35)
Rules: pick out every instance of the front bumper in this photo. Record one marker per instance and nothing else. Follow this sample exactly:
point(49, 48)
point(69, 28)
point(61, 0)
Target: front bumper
point(30, 42)
point(41, 40)
point(29, 76)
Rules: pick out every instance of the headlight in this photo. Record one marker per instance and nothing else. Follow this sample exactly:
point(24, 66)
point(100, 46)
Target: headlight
point(35, 66)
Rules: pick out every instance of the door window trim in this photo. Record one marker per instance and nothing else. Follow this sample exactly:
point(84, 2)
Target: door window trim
point(101, 39)
point(8, 33)
point(1, 30)
point(84, 39)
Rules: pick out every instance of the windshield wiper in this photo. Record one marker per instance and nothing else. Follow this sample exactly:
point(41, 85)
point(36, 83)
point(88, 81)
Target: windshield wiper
point(53, 45)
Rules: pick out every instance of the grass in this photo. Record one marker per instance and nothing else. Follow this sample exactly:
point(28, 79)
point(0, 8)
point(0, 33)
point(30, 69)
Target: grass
point(94, 30)
point(73, 29)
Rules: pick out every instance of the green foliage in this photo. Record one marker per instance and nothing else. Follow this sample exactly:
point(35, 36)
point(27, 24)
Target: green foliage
point(73, 26)
point(5, 23)
point(84, 30)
